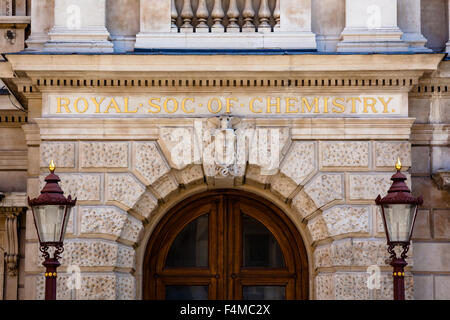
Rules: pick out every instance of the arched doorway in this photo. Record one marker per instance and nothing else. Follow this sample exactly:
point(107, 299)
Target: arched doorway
point(225, 244)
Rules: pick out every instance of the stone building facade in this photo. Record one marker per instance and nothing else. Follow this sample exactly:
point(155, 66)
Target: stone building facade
point(315, 101)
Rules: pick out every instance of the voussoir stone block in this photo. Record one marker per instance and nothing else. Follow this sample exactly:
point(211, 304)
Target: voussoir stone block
point(387, 153)
point(318, 228)
point(300, 162)
point(191, 174)
point(146, 204)
point(347, 219)
point(344, 154)
point(104, 154)
point(165, 186)
point(303, 204)
point(105, 220)
point(148, 161)
point(178, 145)
point(62, 153)
point(283, 185)
point(325, 188)
point(131, 229)
point(255, 173)
point(123, 188)
point(83, 186)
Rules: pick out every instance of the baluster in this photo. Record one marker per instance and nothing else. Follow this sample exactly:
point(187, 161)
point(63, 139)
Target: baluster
point(174, 16)
point(233, 16)
point(264, 15)
point(248, 15)
point(217, 14)
point(276, 14)
point(202, 17)
point(187, 16)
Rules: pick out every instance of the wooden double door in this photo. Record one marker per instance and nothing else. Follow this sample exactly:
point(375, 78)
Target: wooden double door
point(225, 245)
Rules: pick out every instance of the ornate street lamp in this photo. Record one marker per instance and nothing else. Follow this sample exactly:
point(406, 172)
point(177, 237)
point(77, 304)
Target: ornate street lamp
point(51, 211)
point(399, 211)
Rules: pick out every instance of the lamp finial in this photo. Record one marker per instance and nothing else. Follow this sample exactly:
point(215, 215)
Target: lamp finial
point(52, 166)
point(398, 165)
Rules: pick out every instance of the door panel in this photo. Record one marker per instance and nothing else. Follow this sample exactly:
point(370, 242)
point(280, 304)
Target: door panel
point(225, 245)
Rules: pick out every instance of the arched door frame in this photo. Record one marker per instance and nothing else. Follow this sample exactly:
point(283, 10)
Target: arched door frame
point(276, 221)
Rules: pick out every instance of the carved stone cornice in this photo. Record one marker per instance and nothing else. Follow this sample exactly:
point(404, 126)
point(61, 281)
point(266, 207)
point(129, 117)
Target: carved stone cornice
point(430, 134)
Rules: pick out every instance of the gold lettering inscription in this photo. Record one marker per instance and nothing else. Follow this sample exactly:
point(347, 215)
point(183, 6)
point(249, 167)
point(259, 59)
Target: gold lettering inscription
point(305, 102)
point(126, 107)
point(113, 105)
point(175, 105)
point(353, 100)
point(289, 104)
point(270, 105)
point(338, 105)
point(153, 105)
point(86, 105)
point(230, 103)
point(370, 104)
point(97, 104)
point(385, 104)
point(219, 105)
point(65, 105)
point(252, 104)
point(183, 105)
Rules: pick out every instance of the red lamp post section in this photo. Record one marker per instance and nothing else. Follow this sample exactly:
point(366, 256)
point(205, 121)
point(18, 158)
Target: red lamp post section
point(51, 211)
point(399, 211)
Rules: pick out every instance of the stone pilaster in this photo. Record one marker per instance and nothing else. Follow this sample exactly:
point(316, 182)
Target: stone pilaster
point(79, 26)
point(409, 22)
point(42, 20)
point(371, 26)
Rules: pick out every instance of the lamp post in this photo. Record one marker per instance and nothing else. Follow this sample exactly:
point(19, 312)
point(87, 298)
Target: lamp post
point(399, 211)
point(51, 211)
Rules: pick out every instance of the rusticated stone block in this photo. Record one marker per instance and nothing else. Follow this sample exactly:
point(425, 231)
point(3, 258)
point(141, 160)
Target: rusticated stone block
point(146, 204)
point(369, 186)
point(83, 186)
point(325, 286)
point(303, 204)
point(367, 253)
point(104, 154)
point(344, 154)
point(351, 286)
point(89, 253)
point(318, 229)
point(346, 219)
point(148, 161)
point(126, 287)
point(123, 188)
point(300, 162)
point(125, 257)
point(165, 186)
point(107, 220)
point(322, 256)
point(62, 153)
point(283, 185)
point(341, 253)
point(325, 188)
point(97, 287)
point(178, 145)
point(62, 289)
point(387, 153)
point(131, 229)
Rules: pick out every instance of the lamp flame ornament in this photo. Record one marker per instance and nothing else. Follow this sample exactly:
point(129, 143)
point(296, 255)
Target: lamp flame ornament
point(51, 211)
point(399, 211)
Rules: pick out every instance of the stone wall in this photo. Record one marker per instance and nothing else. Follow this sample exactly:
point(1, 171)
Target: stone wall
point(329, 187)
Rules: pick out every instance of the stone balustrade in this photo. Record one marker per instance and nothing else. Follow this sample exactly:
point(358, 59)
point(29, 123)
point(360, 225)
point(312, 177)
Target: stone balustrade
point(225, 16)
